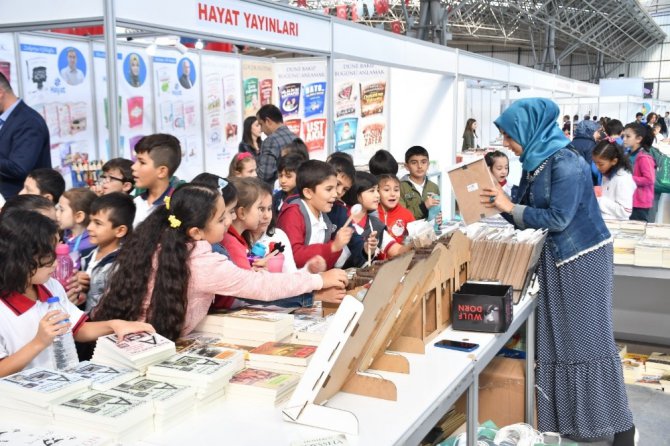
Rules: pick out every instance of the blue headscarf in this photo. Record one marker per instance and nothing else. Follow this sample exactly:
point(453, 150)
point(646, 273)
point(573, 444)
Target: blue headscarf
point(533, 123)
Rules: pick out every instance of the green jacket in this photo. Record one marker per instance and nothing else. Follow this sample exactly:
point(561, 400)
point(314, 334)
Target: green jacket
point(410, 198)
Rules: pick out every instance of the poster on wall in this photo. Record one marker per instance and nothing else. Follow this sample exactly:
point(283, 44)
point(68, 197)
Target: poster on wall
point(135, 101)
point(8, 60)
point(360, 109)
point(221, 111)
point(301, 96)
point(177, 92)
point(257, 85)
point(56, 81)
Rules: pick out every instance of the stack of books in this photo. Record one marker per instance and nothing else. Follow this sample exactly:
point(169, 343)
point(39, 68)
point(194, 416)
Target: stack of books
point(172, 403)
point(262, 387)
point(28, 395)
point(248, 327)
point(103, 377)
point(652, 252)
point(208, 376)
point(624, 248)
point(17, 435)
point(281, 357)
point(310, 331)
point(658, 231)
point(633, 367)
point(137, 350)
point(203, 344)
point(120, 417)
point(633, 227)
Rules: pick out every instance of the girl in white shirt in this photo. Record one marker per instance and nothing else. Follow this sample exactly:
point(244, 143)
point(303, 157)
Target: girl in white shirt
point(616, 201)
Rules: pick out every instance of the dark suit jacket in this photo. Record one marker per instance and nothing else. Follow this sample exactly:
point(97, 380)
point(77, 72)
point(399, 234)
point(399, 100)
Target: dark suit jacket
point(185, 81)
point(24, 146)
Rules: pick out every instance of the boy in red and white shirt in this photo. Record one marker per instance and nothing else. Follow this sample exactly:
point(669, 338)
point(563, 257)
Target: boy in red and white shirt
point(391, 212)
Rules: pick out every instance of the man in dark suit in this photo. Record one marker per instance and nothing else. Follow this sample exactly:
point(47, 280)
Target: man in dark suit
point(24, 141)
point(185, 78)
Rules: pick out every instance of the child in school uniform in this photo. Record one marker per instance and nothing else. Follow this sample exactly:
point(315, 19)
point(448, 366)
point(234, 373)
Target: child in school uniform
point(618, 186)
point(394, 216)
point(247, 219)
point(46, 182)
point(287, 168)
point(169, 261)
point(158, 158)
point(27, 329)
point(242, 165)
point(117, 176)
point(498, 164)
point(73, 210)
point(30, 202)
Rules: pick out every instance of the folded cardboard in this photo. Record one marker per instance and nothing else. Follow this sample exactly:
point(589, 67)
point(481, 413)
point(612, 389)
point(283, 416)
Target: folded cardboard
point(467, 181)
point(482, 307)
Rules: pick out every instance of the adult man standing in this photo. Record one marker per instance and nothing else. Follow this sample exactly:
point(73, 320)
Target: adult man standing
point(24, 141)
point(71, 74)
point(278, 135)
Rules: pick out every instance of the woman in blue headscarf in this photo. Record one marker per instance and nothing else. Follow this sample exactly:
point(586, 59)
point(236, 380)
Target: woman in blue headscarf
point(581, 392)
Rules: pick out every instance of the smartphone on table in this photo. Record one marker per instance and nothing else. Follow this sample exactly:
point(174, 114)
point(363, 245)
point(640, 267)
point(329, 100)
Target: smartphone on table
point(457, 345)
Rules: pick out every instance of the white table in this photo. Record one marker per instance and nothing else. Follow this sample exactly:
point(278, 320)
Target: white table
point(436, 380)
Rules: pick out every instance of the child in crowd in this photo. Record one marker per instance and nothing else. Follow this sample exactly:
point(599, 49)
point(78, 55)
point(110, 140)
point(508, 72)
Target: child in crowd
point(46, 182)
point(382, 163)
point(73, 210)
point(29, 202)
point(614, 129)
point(229, 194)
point(618, 185)
point(287, 168)
point(638, 139)
point(27, 329)
point(117, 176)
point(247, 219)
point(304, 219)
point(498, 164)
point(379, 244)
point(416, 191)
point(242, 165)
point(296, 146)
point(158, 158)
point(111, 222)
point(169, 261)
point(394, 216)
point(657, 134)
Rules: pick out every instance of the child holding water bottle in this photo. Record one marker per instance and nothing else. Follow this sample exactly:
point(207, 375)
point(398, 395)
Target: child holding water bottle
point(27, 328)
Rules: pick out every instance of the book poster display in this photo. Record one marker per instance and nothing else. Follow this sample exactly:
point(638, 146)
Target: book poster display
point(135, 101)
point(257, 85)
point(301, 96)
point(221, 111)
point(57, 80)
point(8, 60)
point(177, 92)
point(361, 104)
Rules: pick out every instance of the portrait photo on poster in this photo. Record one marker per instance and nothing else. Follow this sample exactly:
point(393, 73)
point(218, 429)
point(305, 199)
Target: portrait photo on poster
point(186, 73)
point(72, 66)
point(134, 70)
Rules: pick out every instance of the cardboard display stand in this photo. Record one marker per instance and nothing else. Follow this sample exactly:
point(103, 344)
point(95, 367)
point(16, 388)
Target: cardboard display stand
point(467, 181)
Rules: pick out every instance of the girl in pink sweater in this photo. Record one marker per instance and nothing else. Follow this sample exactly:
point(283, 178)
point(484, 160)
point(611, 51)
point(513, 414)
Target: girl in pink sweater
point(638, 138)
point(168, 275)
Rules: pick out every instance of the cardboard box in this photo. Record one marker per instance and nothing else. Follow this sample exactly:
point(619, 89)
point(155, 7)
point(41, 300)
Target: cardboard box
point(501, 392)
point(467, 181)
point(482, 307)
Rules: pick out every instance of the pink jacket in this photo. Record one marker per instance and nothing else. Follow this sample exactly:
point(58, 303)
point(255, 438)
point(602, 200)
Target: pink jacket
point(212, 273)
point(644, 175)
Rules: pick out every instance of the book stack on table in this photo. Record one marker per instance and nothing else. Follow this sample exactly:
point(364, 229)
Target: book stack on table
point(209, 376)
point(103, 377)
point(248, 326)
point(172, 403)
point(137, 350)
point(120, 417)
point(17, 435)
point(281, 357)
point(263, 387)
point(28, 395)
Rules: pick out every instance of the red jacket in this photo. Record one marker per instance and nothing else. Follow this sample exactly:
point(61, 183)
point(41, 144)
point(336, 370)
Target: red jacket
point(396, 221)
point(237, 248)
point(292, 222)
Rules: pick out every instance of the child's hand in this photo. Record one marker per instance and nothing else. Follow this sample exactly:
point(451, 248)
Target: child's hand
point(330, 295)
point(259, 264)
point(371, 243)
point(122, 328)
point(77, 287)
point(342, 238)
point(316, 265)
point(50, 326)
point(334, 278)
point(431, 202)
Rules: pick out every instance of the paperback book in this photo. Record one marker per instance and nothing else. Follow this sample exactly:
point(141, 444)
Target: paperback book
point(137, 350)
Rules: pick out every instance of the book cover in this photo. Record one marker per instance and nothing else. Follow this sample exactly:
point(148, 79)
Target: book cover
point(188, 363)
point(283, 352)
point(101, 375)
point(107, 405)
point(42, 381)
point(34, 435)
point(151, 389)
point(264, 379)
point(136, 345)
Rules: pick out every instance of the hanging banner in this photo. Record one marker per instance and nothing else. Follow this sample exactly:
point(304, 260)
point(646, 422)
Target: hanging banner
point(301, 96)
point(221, 111)
point(361, 109)
point(257, 85)
point(135, 101)
point(8, 60)
point(57, 82)
point(178, 110)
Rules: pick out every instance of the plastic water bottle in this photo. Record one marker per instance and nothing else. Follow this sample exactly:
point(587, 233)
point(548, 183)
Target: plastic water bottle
point(64, 264)
point(65, 352)
point(433, 212)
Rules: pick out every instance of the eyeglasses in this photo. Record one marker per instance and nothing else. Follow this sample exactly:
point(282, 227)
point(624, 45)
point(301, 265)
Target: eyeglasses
point(108, 179)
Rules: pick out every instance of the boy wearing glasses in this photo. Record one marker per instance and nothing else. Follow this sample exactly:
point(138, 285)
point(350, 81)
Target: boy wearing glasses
point(117, 176)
